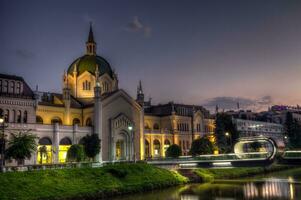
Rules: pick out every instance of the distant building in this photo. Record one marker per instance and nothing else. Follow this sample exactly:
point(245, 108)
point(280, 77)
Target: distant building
point(250, 128)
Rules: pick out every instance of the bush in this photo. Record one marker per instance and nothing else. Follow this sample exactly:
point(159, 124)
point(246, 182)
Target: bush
point(75, 153)
point(91, 145)
point(201, 146)
point(173, 151)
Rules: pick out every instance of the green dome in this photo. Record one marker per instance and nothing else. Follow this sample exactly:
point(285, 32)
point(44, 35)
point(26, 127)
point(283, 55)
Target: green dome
point(89, 63)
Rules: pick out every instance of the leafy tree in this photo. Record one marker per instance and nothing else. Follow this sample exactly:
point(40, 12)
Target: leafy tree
point(91, 145)
point(202, 146)
point(21, 146)
point(224, 124)
point(75, 153)
point(173, 151)
point(293, 131)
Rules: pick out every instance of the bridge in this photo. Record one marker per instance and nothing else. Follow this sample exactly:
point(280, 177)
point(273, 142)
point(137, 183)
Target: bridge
point(265, 155)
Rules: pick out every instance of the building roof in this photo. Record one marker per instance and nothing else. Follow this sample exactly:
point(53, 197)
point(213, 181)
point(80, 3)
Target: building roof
point(179, 109)
point(89, 63)
point(27, 92)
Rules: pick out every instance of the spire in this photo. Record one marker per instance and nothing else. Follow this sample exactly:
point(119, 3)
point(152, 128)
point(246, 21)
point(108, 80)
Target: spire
point(139, 88)
point(91, 44)
point(91, 36)
point(140, 94)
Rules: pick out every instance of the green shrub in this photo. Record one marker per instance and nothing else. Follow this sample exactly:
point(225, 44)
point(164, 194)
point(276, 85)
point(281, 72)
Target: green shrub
point(201, 146)
point(173, 151)
point(75, 153)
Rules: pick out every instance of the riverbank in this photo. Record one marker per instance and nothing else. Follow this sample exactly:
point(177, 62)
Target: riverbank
point(211, 174)
point(86, 183)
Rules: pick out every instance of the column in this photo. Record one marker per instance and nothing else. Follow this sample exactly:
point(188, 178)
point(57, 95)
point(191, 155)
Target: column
point(56, 143)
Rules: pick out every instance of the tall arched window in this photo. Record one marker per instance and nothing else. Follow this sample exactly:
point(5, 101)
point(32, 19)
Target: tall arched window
point(6, 115)
point(19, 114)
point(18, 88)
point(14, 116)
point(157, 148)
point(12, 87)
point(5, 86)
point(147, 147)
point(25, 117)
point(86, 85)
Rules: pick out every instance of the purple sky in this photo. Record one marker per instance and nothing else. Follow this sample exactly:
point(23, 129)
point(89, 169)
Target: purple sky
point(200, 52)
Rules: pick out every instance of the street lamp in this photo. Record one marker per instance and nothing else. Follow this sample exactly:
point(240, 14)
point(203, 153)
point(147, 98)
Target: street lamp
point(133, 141)
point(2, 143)
point(227, 134)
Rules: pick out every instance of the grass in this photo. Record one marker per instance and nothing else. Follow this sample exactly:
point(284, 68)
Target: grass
point(83, 183)
point(209, 175)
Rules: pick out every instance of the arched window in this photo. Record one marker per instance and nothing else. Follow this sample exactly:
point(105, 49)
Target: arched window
point(166, 144)
point(146, 126)
point(56, 120)
point(39, 119)
point(18, 88)
point(157, 148)
point(88, 122)
point(19, 116)
point(5, 86)
point(12, 87)
point(14, 116)
point(6, 115)
point(45, 141)
point(65, 141)
point(25, 117)
point(86, 85)
point(76, 121)
point(156, 126)
point(44, 151)
point(147, 147)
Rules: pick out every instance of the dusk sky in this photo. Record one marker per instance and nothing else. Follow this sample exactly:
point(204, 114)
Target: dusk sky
point(193, 52)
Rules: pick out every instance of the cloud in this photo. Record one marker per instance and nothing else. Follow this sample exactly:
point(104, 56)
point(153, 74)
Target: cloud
point(231, 103)
point(24, 54)
point(136, 26)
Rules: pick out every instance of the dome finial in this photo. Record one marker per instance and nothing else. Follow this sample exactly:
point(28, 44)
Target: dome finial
point(91, 44)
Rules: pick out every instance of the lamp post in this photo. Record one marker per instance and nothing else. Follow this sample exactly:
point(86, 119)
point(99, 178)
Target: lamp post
point(133, 142)
point(227, 134)
point(2, 143)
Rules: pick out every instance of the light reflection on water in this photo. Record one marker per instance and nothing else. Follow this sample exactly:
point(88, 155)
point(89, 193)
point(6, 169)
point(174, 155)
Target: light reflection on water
point(272, 188)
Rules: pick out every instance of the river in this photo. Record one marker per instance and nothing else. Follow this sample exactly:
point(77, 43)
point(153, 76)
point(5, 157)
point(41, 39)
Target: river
point(279, 185)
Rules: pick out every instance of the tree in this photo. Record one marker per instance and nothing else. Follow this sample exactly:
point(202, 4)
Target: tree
point(173, 151)
point(21, 146)
point(75, 153)
point(225, 125)
point(43, 152)
point(91, 145)
point(293, 131)
point(201, 146)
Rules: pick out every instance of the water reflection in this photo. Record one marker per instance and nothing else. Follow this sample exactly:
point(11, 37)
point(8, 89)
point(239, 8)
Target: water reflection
point(273, 188)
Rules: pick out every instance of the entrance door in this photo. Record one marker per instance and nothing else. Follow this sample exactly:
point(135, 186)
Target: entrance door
point(119, 150)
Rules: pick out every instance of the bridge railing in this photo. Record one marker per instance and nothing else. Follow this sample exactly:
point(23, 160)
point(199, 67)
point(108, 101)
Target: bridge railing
point(292, 154)
point(217, 157)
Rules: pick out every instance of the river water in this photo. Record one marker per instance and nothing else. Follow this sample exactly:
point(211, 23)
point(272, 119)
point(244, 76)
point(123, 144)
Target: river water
point(281, 186)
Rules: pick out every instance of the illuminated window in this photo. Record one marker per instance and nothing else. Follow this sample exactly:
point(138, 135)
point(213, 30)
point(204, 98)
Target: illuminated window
point(157, 148)
point(65, 144)
point(44, 151)
point(86, 85)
